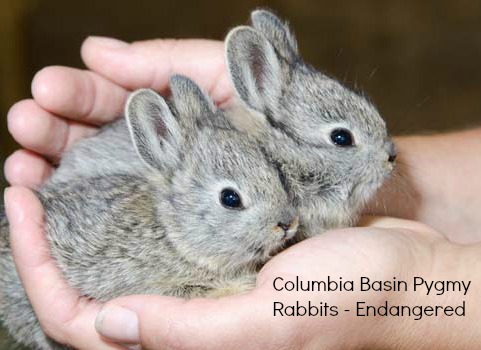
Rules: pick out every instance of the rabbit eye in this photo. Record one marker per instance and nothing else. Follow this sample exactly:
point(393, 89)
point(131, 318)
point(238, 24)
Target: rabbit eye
point(230, 199)
point(342, 138)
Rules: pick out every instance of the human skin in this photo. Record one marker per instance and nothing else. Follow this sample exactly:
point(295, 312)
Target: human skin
point(68, 104)
point(437, 184)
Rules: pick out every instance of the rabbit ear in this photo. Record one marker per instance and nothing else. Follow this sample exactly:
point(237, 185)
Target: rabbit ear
point(155, 132)
point(194, 107)
point(277, 32)
point(255, 69)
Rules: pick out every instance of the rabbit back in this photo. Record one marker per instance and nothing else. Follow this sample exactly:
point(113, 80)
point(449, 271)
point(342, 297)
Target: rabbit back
point(109, 151)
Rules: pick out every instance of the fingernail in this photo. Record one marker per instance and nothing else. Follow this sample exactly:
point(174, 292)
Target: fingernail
point(13, 210)
point(118, 324)
point(109, 43)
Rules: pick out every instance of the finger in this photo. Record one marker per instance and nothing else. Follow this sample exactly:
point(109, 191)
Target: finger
point(28, 169)
point(400, 224)
point(151, 63)
point(170, 323)
point(62, 313)
point(43, 132)
point(78, 95)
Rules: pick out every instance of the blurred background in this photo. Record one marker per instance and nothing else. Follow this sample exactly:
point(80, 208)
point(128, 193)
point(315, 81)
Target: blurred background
point(418, 60)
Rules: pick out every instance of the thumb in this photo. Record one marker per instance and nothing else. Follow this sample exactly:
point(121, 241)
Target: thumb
point(62, 313)
point(154, 322)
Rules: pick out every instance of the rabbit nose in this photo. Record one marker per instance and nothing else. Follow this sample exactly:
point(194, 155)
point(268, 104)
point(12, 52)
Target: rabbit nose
point(284, 226)
point(392, 152)
point(289, 225)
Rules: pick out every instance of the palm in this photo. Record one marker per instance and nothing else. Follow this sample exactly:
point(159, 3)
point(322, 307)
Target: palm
point(378, 252)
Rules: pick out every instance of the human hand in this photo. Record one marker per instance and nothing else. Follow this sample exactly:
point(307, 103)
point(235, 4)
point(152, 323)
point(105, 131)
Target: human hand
point(384, 249)
point(69, 104)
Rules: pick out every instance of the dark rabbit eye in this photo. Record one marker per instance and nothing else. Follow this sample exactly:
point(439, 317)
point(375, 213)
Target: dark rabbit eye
point(230, 199)
point(342, 137)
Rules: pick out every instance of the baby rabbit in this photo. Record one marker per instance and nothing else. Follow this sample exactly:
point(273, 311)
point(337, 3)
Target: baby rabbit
point(329, 143)
point(172, 201)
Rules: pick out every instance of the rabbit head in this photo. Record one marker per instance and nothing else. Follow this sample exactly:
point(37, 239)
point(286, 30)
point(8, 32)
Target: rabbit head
point(330, 143)
point(222, 201)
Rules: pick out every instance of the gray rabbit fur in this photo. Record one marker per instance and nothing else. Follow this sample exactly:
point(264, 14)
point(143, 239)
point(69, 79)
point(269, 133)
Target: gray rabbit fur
point(136, 209)
point(296, 109)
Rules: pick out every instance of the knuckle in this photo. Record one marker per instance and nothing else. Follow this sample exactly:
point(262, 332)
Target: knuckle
point(176, 336)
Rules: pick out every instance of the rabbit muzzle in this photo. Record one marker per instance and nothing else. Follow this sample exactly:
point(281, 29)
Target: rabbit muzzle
point(287, 229)
point(391, 151)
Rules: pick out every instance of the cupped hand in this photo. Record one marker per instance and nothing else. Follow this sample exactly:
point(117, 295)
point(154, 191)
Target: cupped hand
point(383, 249)
point(69, 104)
